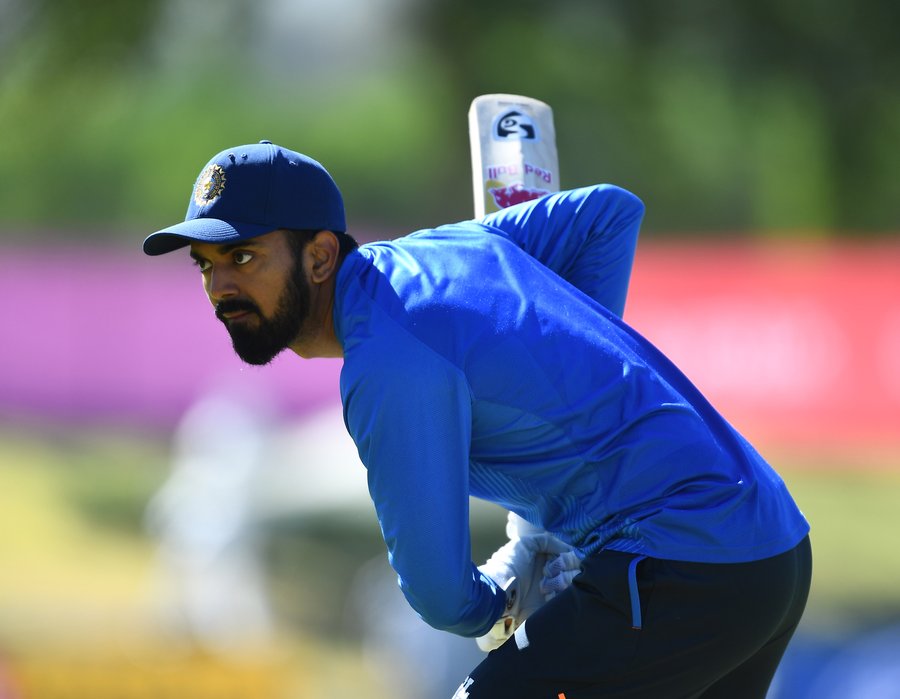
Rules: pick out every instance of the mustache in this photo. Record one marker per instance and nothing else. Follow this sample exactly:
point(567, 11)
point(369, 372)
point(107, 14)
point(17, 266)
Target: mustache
point(232, 305)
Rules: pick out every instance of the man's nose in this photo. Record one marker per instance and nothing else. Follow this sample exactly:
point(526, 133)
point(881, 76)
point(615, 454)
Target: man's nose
point(220, 285)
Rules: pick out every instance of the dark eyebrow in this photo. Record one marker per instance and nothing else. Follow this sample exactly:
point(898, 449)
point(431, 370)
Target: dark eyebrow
point(227, 247)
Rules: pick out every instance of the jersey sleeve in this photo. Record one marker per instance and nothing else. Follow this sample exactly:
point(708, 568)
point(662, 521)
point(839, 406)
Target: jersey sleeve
point(587, 236)
point(411, 421)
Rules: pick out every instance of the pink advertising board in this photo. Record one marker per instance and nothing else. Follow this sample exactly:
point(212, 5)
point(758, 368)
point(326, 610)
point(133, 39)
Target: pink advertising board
point(796, 343)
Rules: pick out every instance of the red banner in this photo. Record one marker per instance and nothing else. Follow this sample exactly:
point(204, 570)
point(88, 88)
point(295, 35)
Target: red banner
point(796, 344)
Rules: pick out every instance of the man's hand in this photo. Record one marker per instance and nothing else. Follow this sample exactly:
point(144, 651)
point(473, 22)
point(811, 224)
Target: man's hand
point(559, 573)
point(518, 567)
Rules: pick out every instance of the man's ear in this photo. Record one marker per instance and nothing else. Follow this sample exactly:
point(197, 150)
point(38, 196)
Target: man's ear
point(322, 260)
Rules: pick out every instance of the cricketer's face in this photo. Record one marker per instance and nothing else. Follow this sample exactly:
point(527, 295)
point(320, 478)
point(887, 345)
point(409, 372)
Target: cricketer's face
point(258, 290)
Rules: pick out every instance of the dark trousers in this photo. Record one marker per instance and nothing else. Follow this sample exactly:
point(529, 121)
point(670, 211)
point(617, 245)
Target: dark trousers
point(692, 630)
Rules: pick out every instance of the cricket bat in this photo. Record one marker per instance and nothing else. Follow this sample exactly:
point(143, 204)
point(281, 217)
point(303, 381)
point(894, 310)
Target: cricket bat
point(514, 156)
point(514, 159)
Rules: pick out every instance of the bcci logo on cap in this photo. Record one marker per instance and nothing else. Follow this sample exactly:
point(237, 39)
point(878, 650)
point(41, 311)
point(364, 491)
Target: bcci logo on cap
point(514, 126)
point(209, 185)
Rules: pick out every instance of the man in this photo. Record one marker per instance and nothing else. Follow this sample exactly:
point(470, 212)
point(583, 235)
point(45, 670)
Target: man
point(488, 358)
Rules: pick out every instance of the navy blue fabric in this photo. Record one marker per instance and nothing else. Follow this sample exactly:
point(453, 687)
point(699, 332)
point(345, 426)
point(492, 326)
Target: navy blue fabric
point(709, 631)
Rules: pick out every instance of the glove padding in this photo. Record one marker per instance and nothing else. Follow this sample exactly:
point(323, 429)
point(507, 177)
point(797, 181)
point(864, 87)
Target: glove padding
point(518, 567)
point(559, 573)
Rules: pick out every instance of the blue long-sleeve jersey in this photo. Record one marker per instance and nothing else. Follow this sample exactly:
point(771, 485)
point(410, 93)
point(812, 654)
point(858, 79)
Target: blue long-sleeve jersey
point(488, 358)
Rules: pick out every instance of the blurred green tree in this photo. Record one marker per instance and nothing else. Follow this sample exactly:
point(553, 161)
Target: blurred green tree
point(749, 114)
point(751, 117)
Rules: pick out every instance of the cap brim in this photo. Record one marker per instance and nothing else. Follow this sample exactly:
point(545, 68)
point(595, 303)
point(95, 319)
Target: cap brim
point(202, 230)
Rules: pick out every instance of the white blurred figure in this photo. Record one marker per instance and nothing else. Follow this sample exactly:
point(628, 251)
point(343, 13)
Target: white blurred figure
point(238, 468)
point(413, 660)
point(202, 517)
point(314, 469)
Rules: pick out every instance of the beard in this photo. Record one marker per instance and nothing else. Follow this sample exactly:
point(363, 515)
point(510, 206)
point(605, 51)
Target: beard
point(258, 343)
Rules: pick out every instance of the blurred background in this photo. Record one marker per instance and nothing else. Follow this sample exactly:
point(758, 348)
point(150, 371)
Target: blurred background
point(173, 523)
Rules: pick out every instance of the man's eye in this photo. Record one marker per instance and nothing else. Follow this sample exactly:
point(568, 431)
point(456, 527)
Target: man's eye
point(202, 265)
point(242, 258)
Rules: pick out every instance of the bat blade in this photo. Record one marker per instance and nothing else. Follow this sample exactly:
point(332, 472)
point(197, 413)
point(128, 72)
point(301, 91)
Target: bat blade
point(514, 157)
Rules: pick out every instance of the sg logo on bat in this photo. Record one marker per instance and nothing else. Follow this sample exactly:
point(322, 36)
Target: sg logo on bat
point(514, 126)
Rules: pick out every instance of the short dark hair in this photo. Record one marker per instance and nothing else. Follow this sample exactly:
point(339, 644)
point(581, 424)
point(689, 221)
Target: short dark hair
point(298, 238)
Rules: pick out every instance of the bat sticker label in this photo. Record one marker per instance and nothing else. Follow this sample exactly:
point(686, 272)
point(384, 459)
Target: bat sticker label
point(514, 126)
point(496, 172)
point(513, 194)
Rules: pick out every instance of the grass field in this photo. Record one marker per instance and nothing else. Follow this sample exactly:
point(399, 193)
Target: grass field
point(78, 589)
point(78, 569)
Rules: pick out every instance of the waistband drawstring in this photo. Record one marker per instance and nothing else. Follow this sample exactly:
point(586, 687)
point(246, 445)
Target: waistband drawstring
point(636, 621)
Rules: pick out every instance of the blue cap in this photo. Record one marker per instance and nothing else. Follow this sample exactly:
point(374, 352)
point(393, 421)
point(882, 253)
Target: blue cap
point(247, 191)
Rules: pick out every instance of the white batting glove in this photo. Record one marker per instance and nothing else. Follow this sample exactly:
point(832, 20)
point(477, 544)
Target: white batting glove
point(504, 627)
point(518, 568)
point(517, 527)
point(559, 573)
point(559, 570)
